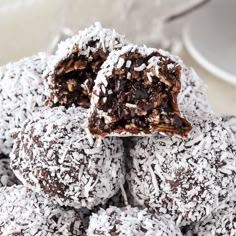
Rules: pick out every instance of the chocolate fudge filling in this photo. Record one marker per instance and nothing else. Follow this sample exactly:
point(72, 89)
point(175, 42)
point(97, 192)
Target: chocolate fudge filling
point(73, 79)
point(139, 97)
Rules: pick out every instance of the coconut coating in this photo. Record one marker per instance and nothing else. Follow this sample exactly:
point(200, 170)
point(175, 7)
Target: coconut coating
point(135, 93)
point(185, 178)
point(26, 213)
point(72, 73)
point(130, 222)
point(193, 94)
point(21, 93)
point(54, 154)
point(220, 222)
point(122, 199)
point(7, 177)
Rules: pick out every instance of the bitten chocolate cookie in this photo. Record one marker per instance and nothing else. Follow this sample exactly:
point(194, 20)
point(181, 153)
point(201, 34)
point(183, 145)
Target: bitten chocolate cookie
point(21, 93)
point(135, 93)
point(77, 61)
point(220, 222)
point(7, 177)
point(24, 212)
point(55, 155)
point(185, 178)
point(130, 222)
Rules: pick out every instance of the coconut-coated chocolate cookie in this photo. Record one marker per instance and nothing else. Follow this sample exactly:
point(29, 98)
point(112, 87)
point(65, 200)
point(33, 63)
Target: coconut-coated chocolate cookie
point(71, 74)
point(185, 178)
point(54, 155)
point(21, 93)
point(26, 213)
point(135, 93)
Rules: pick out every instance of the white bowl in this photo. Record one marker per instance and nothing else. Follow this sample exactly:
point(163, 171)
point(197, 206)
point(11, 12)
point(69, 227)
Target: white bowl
point(210, 37)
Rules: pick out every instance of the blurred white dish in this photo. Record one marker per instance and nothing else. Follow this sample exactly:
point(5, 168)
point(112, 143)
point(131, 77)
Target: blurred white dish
point(28, 26)
point(210, 37)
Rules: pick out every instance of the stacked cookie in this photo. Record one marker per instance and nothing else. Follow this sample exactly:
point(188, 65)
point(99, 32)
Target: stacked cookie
point(21, 94)
point(104, 122)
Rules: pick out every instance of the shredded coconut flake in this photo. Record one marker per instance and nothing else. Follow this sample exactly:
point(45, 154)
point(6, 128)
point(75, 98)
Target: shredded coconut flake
point(130, 221)
point(21, 94)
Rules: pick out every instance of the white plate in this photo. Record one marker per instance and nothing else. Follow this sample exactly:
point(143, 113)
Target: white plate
point(210, 37)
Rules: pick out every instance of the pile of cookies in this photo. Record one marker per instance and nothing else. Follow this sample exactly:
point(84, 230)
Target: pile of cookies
point(110, 138)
